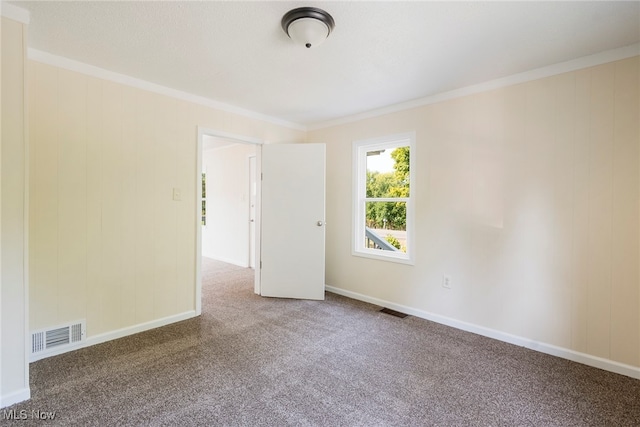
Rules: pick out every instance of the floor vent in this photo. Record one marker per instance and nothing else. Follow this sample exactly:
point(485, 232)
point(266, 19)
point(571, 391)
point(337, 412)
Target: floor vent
point(394, 313)
point(56, 339)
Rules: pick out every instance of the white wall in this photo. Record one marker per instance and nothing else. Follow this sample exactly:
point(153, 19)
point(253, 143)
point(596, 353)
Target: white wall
point(528, 196)
point(14, 369)
point(226, 235)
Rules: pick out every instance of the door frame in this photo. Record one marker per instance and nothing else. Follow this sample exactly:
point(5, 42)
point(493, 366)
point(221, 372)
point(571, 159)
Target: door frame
point(242, 139)
point(252, 239)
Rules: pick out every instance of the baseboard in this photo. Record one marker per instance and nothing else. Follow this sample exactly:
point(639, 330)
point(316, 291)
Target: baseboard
point(227, 260)
point(141, 327)
point(15, 397)
point(121, 333)
point(575, 356)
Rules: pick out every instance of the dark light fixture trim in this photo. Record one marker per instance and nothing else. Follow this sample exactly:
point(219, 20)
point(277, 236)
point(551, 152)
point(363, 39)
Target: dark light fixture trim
point(307, 12)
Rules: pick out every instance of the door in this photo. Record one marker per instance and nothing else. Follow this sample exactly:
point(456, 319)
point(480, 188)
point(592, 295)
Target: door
point(293, 228)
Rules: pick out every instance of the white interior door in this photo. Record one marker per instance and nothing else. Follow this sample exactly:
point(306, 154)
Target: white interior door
point(293, 228)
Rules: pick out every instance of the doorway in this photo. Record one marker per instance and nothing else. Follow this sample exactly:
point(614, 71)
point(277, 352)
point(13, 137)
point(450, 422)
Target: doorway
point(289, 213)
point(228, 228)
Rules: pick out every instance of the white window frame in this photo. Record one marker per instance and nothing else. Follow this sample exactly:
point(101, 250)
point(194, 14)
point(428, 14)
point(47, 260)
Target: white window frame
point(359, 171)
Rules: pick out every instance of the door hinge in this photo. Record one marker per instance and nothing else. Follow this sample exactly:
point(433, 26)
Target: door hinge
point(260, 264)
point(261, 176)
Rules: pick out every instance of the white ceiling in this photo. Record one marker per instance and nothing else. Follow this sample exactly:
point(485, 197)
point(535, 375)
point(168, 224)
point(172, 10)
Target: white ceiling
point(380, 53)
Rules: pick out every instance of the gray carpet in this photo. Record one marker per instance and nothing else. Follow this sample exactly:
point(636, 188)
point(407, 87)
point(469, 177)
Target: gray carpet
point(274, 362)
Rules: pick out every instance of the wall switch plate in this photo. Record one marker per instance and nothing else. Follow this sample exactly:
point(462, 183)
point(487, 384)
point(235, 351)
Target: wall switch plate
point(177, 195)
point(446, 281)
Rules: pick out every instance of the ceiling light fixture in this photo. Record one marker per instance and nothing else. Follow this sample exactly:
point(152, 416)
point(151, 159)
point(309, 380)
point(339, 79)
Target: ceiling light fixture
point(308, 26)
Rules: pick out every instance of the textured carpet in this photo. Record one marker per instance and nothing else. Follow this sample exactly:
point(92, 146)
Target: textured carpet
point(260, 361)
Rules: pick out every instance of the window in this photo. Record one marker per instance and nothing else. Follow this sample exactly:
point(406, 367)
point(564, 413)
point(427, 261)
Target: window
point(383, 208)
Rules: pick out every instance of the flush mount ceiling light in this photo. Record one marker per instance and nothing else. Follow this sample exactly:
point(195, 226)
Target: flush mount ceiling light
point(308, 26)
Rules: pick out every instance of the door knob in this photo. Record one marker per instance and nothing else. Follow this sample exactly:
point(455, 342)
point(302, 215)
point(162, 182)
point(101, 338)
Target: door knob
point(319, 223)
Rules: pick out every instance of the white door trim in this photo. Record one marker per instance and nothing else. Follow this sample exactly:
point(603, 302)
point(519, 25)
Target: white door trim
point(252, 238)
point(202, 131)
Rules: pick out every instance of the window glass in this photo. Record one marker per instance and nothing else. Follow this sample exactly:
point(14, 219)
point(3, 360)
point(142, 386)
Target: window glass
point(382, 202)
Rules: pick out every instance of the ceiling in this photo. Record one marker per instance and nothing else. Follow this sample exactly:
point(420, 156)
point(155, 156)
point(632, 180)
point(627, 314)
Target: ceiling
point(380, 53)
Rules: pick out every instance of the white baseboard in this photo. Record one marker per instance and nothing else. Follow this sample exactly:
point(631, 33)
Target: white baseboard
point(120, 333)
point(227, 260)
point(141, 327)
point(15, 397)
point(565, 353)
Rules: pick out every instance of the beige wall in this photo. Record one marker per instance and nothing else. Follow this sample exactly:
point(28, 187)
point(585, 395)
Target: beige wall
point(107, 242)
point(226, 235)
point(528, 196)
point(14, 374)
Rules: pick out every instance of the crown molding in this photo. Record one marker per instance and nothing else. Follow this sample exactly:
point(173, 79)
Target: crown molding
point(101, 73)
point(8, 10)
point(538, 73)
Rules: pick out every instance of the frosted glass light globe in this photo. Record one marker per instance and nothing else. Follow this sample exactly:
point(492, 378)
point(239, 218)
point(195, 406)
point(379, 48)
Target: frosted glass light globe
point(308, 32)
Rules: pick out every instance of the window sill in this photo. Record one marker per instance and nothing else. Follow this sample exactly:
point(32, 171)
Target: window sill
point(390, 258)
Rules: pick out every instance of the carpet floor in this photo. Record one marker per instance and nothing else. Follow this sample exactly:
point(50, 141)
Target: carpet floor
point(252, 361)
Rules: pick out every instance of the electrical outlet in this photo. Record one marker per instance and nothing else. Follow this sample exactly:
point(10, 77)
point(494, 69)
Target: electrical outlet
point(446, 281)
